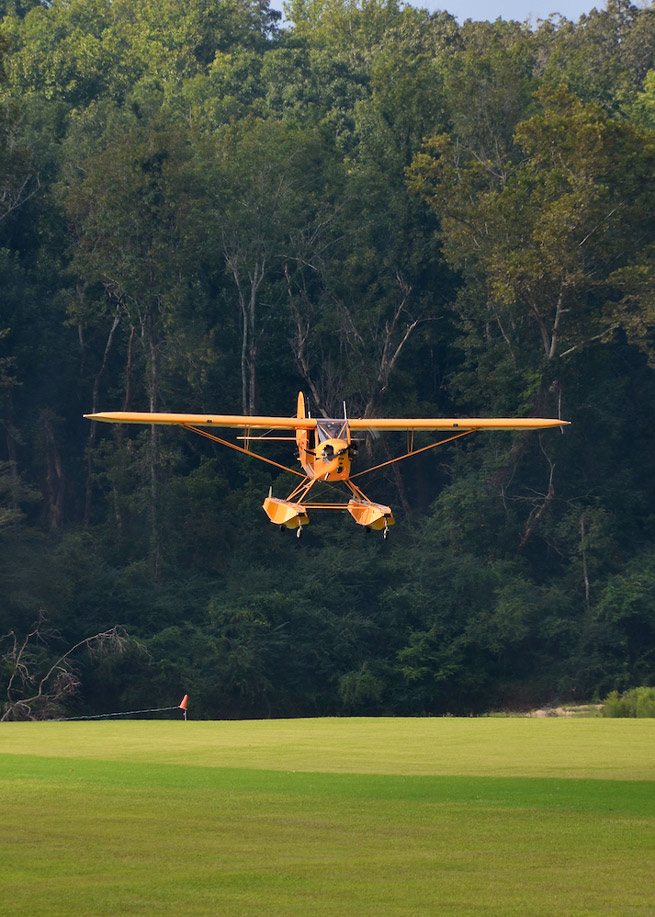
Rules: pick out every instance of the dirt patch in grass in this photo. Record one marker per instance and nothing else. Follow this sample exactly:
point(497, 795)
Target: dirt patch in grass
point(579, 710)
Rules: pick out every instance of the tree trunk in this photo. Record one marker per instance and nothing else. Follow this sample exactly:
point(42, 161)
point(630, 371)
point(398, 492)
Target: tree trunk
point(12, 455)
point(91, 440)
point(155, 455)
point(55, 484)
point(585, 568)
point(248, 313)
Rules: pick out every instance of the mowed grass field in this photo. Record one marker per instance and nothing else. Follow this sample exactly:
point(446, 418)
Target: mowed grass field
point(328, 817)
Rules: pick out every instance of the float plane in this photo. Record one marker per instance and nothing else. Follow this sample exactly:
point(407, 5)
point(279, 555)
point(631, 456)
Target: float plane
point(327, 448)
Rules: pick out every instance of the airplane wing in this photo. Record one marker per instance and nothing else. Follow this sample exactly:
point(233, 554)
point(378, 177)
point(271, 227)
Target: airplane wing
point(207, 420)
point(461, 423)
point(309, 423)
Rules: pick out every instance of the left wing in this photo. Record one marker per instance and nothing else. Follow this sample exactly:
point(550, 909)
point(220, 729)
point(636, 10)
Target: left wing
point(462, 423)
point(208, 420)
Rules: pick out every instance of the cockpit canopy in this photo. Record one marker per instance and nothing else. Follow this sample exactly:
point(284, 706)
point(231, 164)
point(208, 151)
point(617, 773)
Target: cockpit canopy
point(331, 429)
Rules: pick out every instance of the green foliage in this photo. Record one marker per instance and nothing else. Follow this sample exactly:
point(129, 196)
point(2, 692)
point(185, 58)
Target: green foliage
point(200, 211)
point(80, 51)
point(361, 690)
point(637, 702)
point(606, 57)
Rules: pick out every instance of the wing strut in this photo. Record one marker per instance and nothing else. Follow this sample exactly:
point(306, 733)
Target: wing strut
point(399, 458)
point(225, 442)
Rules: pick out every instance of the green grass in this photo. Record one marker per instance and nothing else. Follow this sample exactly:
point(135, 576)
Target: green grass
point(328, 817)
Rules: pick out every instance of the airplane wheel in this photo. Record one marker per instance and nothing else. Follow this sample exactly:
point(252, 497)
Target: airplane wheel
point(367, 529)
point(282, 528)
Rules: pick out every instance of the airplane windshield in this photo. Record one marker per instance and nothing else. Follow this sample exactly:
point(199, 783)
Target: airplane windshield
point(331, 429)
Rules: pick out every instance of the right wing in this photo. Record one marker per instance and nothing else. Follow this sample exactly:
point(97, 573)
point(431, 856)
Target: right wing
point(207, 420)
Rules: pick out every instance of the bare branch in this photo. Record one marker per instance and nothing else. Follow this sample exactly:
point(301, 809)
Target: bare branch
point(391, 349)
point(538, 511)
point(60, 680)
point(299, 343)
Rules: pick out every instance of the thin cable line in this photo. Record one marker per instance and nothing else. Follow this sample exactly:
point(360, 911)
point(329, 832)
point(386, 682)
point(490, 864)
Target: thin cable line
point(104, 716)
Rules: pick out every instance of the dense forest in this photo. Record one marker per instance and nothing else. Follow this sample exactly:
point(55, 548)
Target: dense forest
point(204, 208)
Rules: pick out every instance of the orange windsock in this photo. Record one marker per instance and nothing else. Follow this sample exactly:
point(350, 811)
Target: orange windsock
point(184, 702)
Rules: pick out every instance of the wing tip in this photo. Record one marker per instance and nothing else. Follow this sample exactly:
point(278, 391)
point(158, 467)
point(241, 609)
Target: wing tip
point(106, 418)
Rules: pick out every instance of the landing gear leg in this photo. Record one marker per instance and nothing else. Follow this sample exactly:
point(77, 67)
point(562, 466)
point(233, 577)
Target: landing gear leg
point(385, 533)
point(299, 532)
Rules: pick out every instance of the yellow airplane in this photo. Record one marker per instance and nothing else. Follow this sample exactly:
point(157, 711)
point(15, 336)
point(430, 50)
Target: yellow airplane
point(326, 450)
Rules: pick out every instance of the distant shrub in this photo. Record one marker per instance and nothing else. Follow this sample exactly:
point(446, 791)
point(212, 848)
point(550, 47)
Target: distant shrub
point(638, 702)
point(360, 691)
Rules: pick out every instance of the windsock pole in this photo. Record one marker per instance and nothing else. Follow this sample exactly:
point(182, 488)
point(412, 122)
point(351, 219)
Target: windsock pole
point(183, 704)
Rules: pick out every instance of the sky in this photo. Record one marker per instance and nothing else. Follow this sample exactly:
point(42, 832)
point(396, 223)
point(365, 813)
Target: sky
point(519, 10)
point(512, 9)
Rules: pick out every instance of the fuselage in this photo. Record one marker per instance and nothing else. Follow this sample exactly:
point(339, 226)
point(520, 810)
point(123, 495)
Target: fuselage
point(329, 460)
point(325, 452)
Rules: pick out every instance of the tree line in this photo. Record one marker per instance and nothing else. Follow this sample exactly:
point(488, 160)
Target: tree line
point(203, 208)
